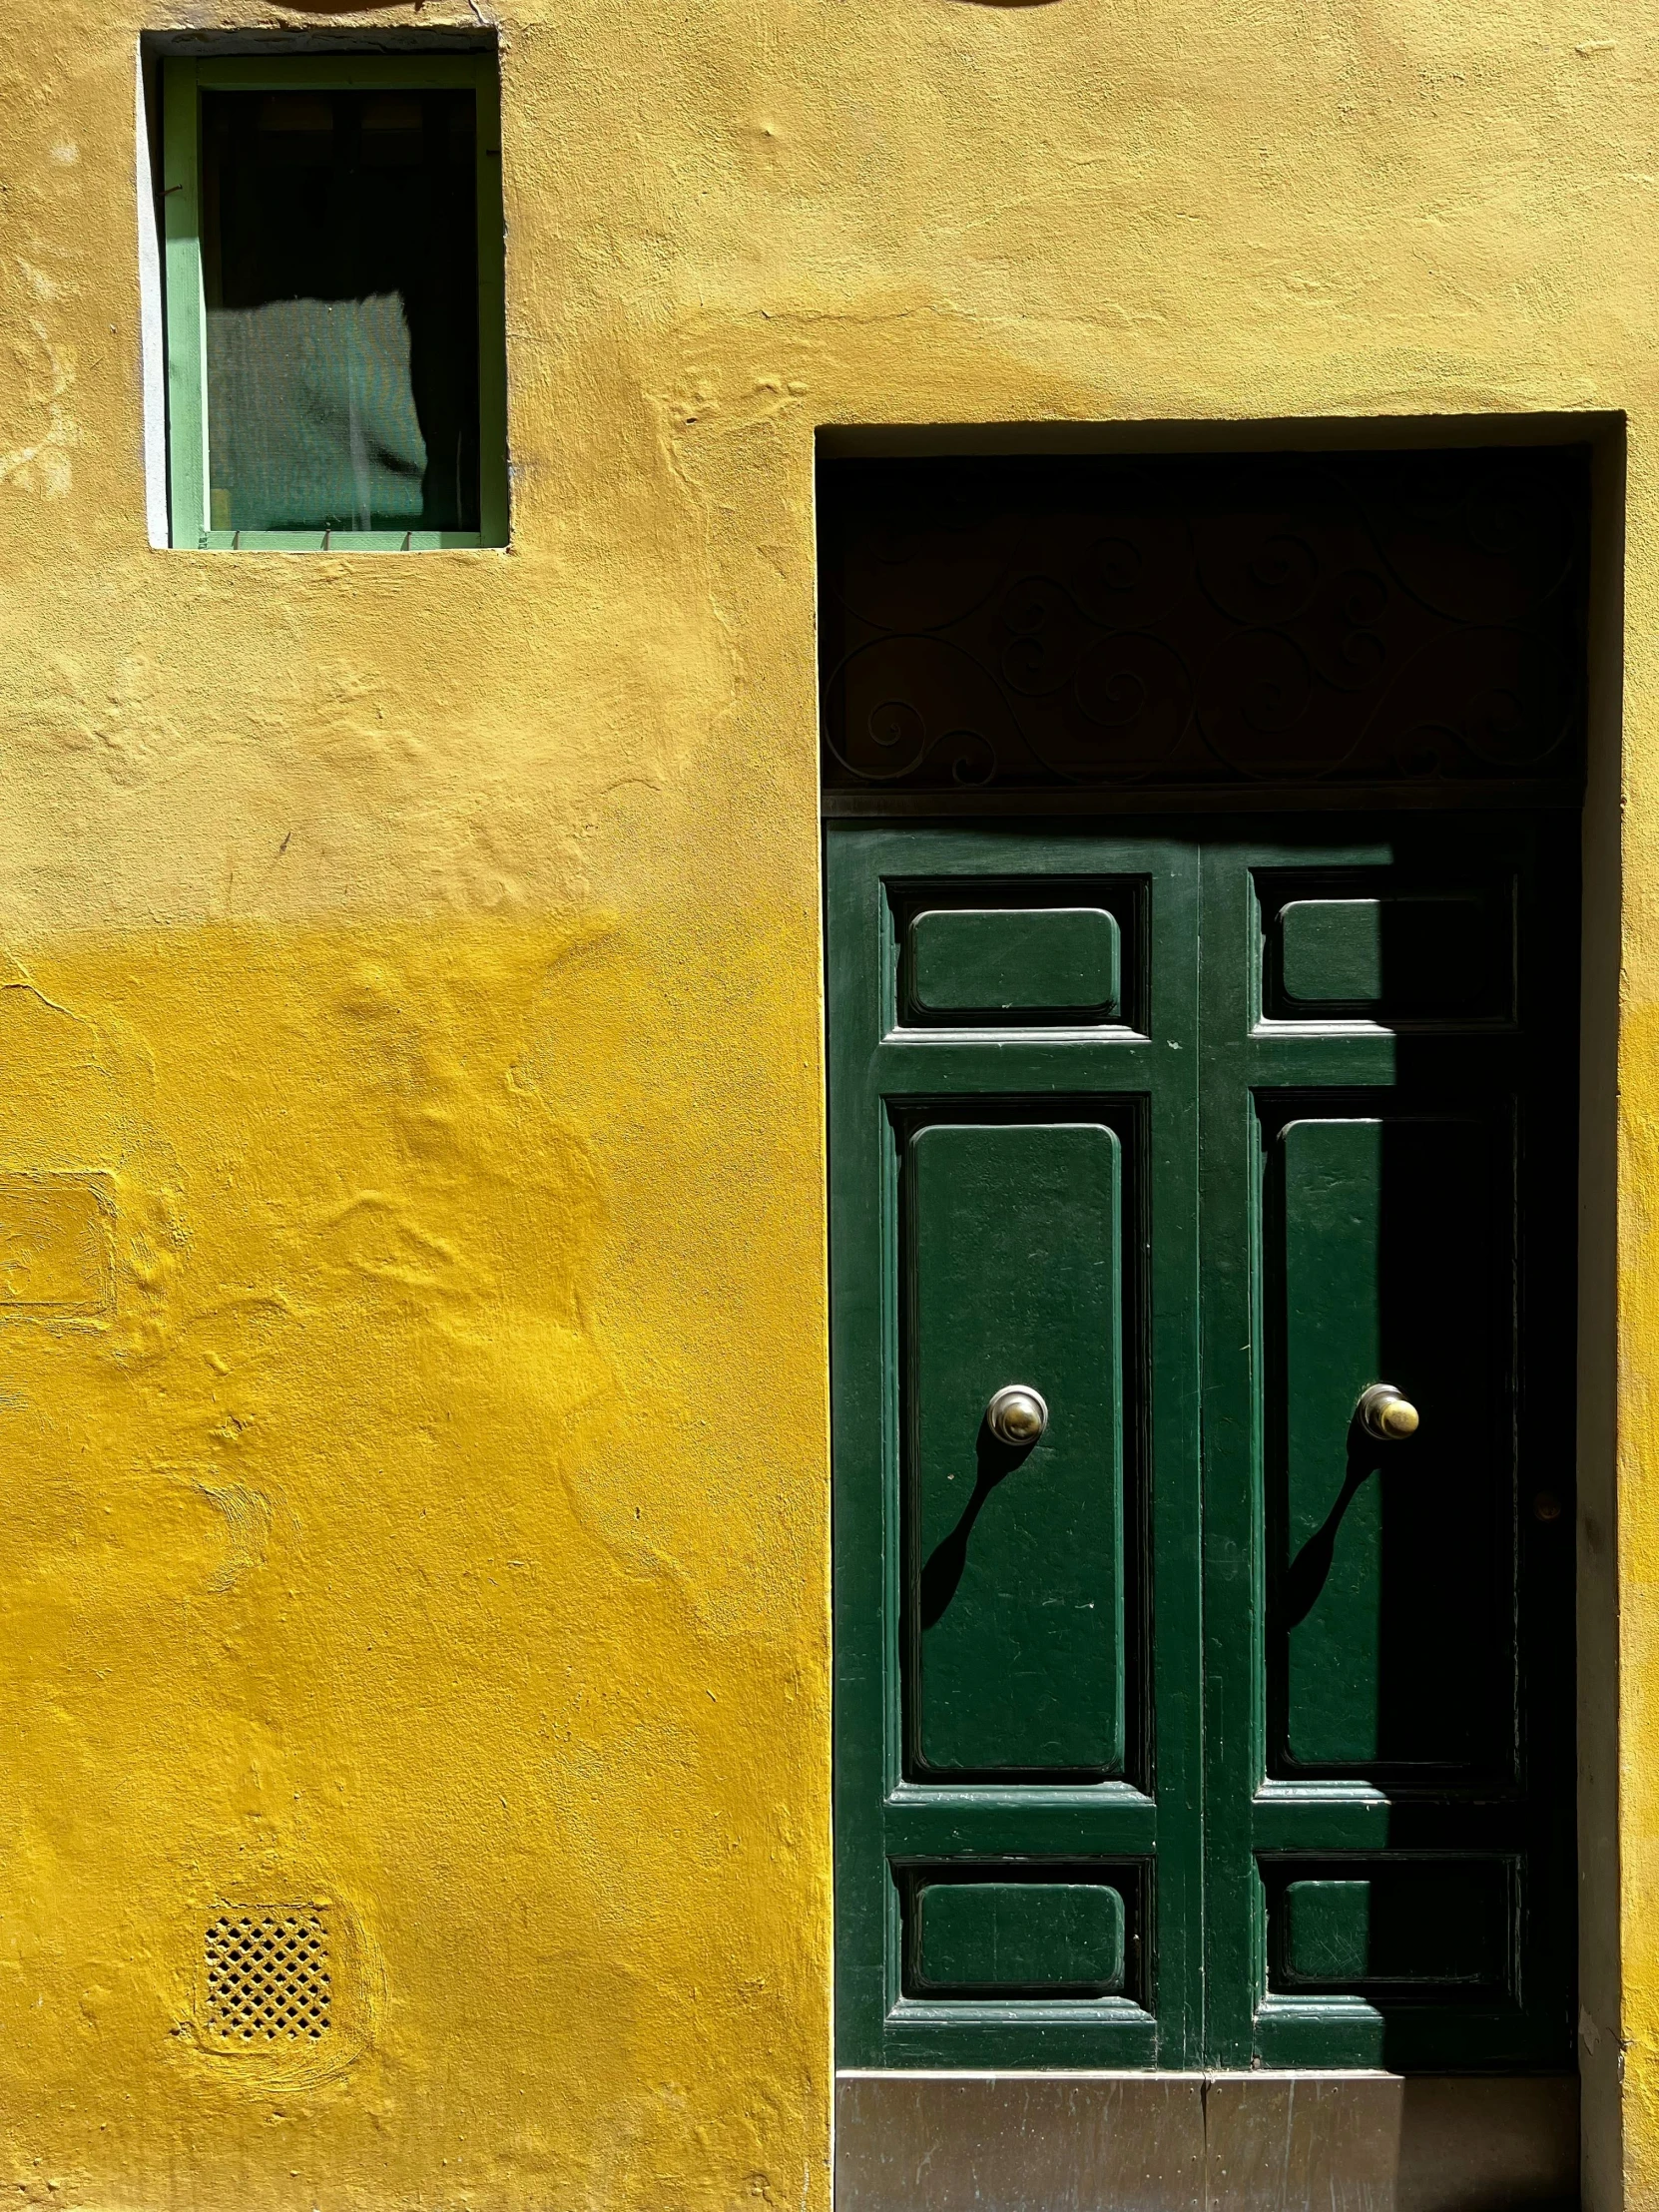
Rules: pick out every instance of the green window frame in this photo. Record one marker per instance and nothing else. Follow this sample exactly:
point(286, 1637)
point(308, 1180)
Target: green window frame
point(183, 83)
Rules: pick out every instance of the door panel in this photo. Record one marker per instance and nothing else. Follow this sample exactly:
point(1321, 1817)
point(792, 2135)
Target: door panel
point(993, 960)
point(1383, 945)
point(1395, 955)
point(1016, 1636)
point(1012, 1937)
point(1393, 1256)
point(1012, 952)
point(1441, 1927)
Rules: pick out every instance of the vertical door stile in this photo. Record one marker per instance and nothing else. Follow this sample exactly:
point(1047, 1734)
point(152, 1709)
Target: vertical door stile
point(1174, 1491)
point(1231, 1593)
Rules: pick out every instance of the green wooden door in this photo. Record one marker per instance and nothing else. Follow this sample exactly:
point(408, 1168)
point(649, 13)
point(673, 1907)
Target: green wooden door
point(1209, 1728)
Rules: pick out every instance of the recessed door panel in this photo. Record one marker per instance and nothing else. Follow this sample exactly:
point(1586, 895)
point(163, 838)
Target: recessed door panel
point(1429, 1926)
point(1017, 1570)
point(992, 962)
point(1017, 953)
point(1020, 1935)
point(1360, 949)
point(1394, 1554)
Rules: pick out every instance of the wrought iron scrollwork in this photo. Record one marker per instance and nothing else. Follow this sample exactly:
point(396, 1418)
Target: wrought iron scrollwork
point(1347, 623)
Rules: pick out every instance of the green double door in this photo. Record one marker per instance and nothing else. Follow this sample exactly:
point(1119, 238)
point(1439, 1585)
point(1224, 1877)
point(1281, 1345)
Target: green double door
point(1188, 1720)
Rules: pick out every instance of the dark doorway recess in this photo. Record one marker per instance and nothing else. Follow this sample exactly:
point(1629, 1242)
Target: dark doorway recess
point(1361, 629)
point(1209, 1080)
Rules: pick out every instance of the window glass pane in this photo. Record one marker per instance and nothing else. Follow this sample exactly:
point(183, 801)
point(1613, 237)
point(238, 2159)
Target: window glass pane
point(340, 266)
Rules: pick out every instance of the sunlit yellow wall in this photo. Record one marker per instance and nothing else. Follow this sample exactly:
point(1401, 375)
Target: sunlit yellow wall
point(414, 1500)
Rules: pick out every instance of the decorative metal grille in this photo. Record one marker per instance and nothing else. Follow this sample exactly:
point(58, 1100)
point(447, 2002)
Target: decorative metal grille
point(1339, 625)
point(268, 1979)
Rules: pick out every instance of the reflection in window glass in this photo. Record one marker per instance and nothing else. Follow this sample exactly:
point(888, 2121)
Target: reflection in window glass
point(340, 270)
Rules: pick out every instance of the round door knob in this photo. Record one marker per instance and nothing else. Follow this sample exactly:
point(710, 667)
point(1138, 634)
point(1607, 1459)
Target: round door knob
point(1385, 1414)
point(1017, 1414)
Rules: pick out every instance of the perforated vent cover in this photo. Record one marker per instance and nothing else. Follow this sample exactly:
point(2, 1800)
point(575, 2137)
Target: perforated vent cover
point(268, 1979)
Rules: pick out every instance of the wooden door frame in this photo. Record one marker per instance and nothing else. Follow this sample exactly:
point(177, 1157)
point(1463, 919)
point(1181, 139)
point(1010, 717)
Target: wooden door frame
point(1597, 1653)
point(1601, 930)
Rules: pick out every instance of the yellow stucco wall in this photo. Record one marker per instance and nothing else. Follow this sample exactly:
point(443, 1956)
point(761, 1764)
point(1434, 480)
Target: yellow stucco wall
point(409, 1029)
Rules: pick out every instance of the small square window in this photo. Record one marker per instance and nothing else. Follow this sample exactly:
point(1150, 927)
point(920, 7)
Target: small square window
point(335, 348)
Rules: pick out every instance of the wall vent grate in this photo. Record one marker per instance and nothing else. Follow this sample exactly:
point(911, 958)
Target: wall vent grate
point(268, 1979)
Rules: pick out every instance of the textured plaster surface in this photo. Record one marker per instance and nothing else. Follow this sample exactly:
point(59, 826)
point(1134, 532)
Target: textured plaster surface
point(413, 1401)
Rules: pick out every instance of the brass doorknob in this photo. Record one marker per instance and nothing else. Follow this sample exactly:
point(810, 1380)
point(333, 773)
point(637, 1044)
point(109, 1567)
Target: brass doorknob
point(1017, 1414)
point(1385, 1414)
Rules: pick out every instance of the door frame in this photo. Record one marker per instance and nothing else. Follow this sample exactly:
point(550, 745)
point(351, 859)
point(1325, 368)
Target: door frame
point(1601, 920)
